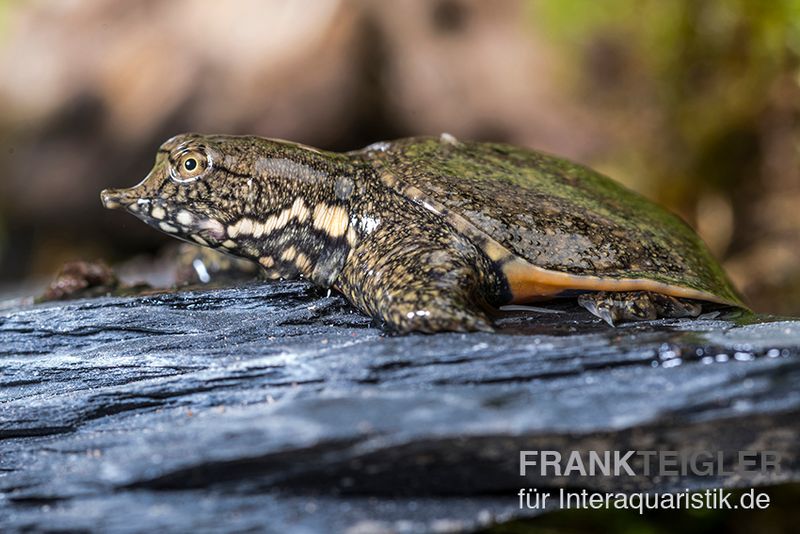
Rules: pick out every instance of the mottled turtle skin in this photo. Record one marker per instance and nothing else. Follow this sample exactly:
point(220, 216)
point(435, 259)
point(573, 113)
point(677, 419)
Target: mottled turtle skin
point(430, 233)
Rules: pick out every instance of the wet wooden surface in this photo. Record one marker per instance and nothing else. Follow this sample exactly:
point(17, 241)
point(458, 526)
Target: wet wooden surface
point(274, 406)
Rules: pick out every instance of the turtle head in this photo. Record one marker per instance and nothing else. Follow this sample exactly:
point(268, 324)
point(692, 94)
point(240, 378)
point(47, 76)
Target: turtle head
point(185, 193)
point(276, 202)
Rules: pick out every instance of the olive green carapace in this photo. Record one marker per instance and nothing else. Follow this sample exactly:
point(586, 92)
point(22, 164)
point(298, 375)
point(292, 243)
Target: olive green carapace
point(430, 234)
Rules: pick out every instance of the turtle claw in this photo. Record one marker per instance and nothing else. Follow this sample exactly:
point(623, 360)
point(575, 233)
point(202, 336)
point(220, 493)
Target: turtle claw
point(595, 307)
point(606, 315)
point(482, 326)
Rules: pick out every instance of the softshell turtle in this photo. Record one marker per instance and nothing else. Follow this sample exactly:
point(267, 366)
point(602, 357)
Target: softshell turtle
point(430, 233)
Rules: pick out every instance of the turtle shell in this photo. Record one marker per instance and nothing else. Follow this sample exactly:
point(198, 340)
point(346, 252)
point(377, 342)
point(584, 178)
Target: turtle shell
point(552, 226)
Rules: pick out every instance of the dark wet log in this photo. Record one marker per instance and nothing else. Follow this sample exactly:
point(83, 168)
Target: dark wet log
point(274, 405)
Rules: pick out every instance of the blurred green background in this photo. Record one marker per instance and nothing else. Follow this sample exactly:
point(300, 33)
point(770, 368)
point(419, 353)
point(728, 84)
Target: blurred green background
point(694, 104)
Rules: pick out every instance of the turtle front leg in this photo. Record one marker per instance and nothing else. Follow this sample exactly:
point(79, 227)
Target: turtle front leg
point(423, 283)
point(615, 307)
point(429, 308)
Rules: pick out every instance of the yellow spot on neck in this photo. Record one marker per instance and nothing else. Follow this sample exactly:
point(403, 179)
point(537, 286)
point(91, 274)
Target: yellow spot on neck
point(289, 254)
point(303, 263)
point(184, 217)
point(352, 237)
point(283, 219)
point(245, 226)
point(299, 210)
point(258, 229)
point(332, 219)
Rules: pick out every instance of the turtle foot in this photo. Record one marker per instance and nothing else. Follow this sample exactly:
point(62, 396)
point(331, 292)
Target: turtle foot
point(616, 307)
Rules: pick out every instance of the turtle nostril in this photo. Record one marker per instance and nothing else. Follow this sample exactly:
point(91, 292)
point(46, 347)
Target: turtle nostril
point(118, 198)
point(110, 198)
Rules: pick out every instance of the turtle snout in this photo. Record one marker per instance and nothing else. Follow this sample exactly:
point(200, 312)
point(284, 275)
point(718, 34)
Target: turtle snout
point(116, 198)
point(110, 198)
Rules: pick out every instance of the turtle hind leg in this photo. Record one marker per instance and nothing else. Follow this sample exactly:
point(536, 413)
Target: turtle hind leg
point(616, 307)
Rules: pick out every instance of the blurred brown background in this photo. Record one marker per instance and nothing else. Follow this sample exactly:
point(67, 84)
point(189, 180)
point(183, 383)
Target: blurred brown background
point(694, 104)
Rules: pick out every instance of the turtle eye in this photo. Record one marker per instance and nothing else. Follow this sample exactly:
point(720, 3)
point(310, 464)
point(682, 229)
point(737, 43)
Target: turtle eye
point(190, 165)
